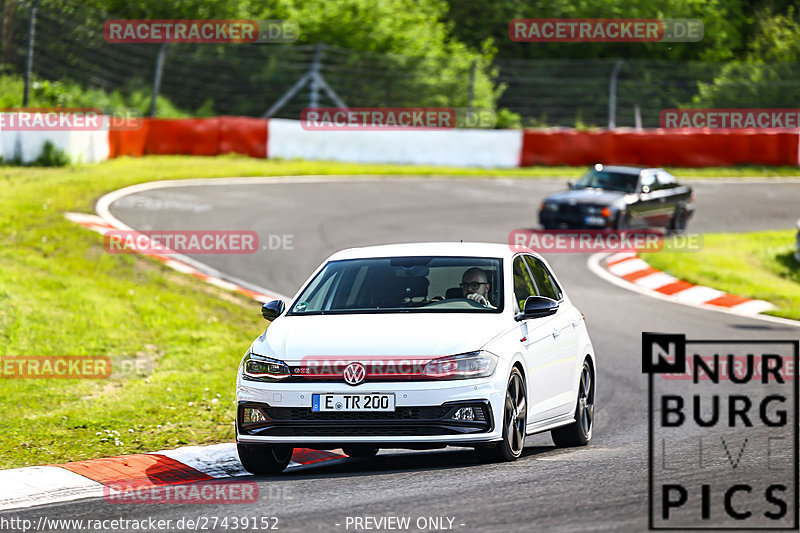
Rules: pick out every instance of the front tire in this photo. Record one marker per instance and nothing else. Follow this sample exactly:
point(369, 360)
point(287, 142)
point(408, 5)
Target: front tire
point(579, 433)
point(264, 459)
point(678, 223)
point(623, 221)
point(515, 416)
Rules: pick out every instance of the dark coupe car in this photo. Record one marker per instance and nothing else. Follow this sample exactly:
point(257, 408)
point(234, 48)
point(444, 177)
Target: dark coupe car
point(620, 197)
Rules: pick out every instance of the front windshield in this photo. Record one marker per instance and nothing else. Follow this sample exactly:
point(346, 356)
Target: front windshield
point(404, 284)
point(612, 181)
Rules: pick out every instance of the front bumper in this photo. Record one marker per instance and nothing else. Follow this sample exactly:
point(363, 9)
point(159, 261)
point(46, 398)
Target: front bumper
point(572, 217)
point(423, 414)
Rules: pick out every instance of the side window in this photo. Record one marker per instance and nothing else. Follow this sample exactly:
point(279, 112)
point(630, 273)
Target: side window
point(524, 285)
point(544, 280)
point(651, 181)
point(666, 179)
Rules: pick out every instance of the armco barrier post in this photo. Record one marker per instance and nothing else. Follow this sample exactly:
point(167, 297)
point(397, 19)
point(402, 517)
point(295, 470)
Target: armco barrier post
point(797, 251)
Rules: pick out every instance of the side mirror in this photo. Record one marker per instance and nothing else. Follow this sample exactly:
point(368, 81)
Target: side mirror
point(272, 310)
point(537, 307)
point(571, 184)
point(645, 189)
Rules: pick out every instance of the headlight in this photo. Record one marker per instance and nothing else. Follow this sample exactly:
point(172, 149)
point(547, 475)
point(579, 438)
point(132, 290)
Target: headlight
point(259, 368)
point(469, 365)
point(550, 206)
point(593, 210)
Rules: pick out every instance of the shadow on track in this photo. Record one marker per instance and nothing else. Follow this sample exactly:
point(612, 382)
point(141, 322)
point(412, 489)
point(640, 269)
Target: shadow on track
point(397, 462)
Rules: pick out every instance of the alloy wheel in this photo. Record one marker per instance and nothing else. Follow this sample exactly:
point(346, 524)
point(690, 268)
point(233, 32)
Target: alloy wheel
point(516, 414)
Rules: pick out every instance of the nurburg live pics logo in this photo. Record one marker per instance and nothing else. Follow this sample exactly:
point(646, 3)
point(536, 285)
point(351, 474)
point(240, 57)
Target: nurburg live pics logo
point(722, 433)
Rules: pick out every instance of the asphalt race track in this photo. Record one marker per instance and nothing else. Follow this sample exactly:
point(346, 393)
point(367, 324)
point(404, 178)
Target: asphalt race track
point(600, 487)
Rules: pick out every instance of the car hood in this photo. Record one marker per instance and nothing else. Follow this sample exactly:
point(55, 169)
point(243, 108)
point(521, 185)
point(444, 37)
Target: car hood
point(587, 196)
point(291, 338)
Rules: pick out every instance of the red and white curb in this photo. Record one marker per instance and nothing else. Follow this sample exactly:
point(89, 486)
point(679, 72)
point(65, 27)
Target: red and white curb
point(630, 267)
point(40, 485)
point(175, 261)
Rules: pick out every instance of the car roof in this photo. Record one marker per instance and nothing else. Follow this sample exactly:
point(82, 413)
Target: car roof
point(623, 169)
point(451, 249)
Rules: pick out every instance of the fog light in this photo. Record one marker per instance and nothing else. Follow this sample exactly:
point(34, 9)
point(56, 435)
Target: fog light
point(251, 415)
point(465, 413)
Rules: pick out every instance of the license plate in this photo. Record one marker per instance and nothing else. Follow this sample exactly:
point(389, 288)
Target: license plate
point(352, 402)
point(595, 221)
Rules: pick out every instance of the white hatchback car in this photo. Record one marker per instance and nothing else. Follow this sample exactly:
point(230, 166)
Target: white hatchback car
point(417, 346)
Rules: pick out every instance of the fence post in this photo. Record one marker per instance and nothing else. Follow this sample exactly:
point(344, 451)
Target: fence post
point(317, 82)
point(315, 85)
point(471, 97)
point(29, 58)
point(162, 51)
point(612, 95)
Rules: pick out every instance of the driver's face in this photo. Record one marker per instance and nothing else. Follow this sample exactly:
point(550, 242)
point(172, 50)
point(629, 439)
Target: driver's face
point(469, 281)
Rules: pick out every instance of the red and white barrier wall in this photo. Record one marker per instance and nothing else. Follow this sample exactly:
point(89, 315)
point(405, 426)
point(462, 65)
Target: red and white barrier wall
point(684, 148)
point(81, 146)
point(286, 139)
point(458, 147)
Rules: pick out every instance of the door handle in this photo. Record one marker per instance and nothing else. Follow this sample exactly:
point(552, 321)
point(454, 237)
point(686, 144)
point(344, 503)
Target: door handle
point(574, 323)
point(556, 333)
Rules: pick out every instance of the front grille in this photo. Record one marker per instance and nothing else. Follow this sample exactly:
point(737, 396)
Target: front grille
point(303, 414)
point(359, 431)
point(570, 209)
point(567, 214)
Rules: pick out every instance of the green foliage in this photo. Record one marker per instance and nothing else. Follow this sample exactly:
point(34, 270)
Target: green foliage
point(65, 93)
point(51, 157)
point(507, 119)
point(412, 39)
point(778, 38)
point(726, 23)
point(399, 52)
point(768, 74)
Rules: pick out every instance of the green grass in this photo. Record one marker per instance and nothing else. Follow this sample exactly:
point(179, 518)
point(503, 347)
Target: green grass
point(61, 294)
point(757, 265)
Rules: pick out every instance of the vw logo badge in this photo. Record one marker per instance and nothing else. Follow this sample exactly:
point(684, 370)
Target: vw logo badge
point(354, 373)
